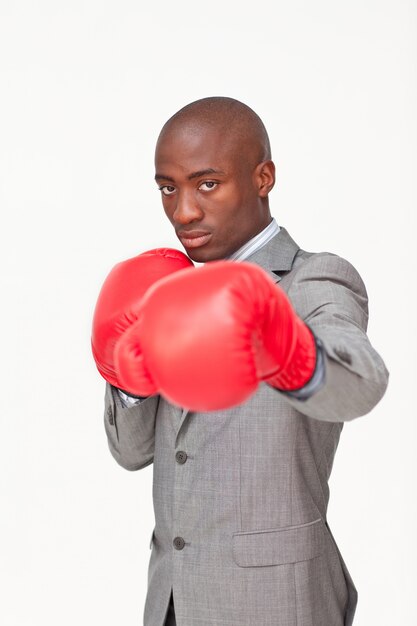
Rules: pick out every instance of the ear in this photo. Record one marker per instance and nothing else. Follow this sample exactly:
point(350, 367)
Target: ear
point(265, 177)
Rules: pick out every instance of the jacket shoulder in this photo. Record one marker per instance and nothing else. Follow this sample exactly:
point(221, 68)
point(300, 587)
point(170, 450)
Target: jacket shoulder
point(326, 266)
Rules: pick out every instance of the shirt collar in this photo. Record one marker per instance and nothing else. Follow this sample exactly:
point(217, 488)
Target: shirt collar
point(257, 242)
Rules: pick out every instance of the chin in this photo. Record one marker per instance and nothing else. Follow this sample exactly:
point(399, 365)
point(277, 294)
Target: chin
point(202, 255)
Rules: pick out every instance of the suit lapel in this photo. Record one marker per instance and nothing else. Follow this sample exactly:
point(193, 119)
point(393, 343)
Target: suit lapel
point(277, 256)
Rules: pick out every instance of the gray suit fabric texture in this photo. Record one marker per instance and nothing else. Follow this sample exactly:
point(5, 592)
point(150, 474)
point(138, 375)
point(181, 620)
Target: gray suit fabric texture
point(240, 495)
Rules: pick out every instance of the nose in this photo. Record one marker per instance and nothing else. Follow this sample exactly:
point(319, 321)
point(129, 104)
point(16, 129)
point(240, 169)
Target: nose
point(187, 209)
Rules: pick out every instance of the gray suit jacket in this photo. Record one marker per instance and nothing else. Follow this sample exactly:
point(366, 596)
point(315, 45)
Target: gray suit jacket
point(240, 496)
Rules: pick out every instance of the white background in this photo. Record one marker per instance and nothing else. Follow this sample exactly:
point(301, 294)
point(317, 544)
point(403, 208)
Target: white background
point(85, 89)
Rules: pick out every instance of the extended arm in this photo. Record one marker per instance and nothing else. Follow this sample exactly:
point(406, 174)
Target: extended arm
point(329, 295)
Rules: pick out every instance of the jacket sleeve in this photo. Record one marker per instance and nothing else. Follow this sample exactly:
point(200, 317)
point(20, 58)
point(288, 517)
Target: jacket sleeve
point(130, 431)
point(330, 296)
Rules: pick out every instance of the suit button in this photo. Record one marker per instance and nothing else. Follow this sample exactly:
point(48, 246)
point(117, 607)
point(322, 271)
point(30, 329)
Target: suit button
point(181, 457)
point(179, 543)
point(110, 416)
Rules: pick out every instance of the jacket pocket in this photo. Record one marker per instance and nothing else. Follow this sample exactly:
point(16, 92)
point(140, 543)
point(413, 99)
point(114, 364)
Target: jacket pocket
point(276, 546)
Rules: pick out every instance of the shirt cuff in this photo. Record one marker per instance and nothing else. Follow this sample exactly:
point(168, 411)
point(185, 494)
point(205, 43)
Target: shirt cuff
point(127, 400)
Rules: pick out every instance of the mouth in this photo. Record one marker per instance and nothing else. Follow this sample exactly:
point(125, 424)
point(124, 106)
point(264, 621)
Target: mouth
point(194, 239)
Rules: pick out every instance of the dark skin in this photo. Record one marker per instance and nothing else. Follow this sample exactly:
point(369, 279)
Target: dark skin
point(212, 182)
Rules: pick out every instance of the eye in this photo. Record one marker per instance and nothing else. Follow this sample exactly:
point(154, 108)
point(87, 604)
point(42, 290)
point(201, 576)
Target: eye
point(209, 184)
point(167, 190)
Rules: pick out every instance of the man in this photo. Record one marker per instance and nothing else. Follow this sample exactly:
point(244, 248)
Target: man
point(240, 483)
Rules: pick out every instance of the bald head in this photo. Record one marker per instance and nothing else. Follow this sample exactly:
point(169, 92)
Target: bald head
point(214, 170)
point(240, 128)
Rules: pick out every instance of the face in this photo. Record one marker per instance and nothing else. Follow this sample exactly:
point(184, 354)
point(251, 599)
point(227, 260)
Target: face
point(213, 195)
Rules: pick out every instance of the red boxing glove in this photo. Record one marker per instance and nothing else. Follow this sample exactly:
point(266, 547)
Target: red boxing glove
point(208, 336)
point(118, 304)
